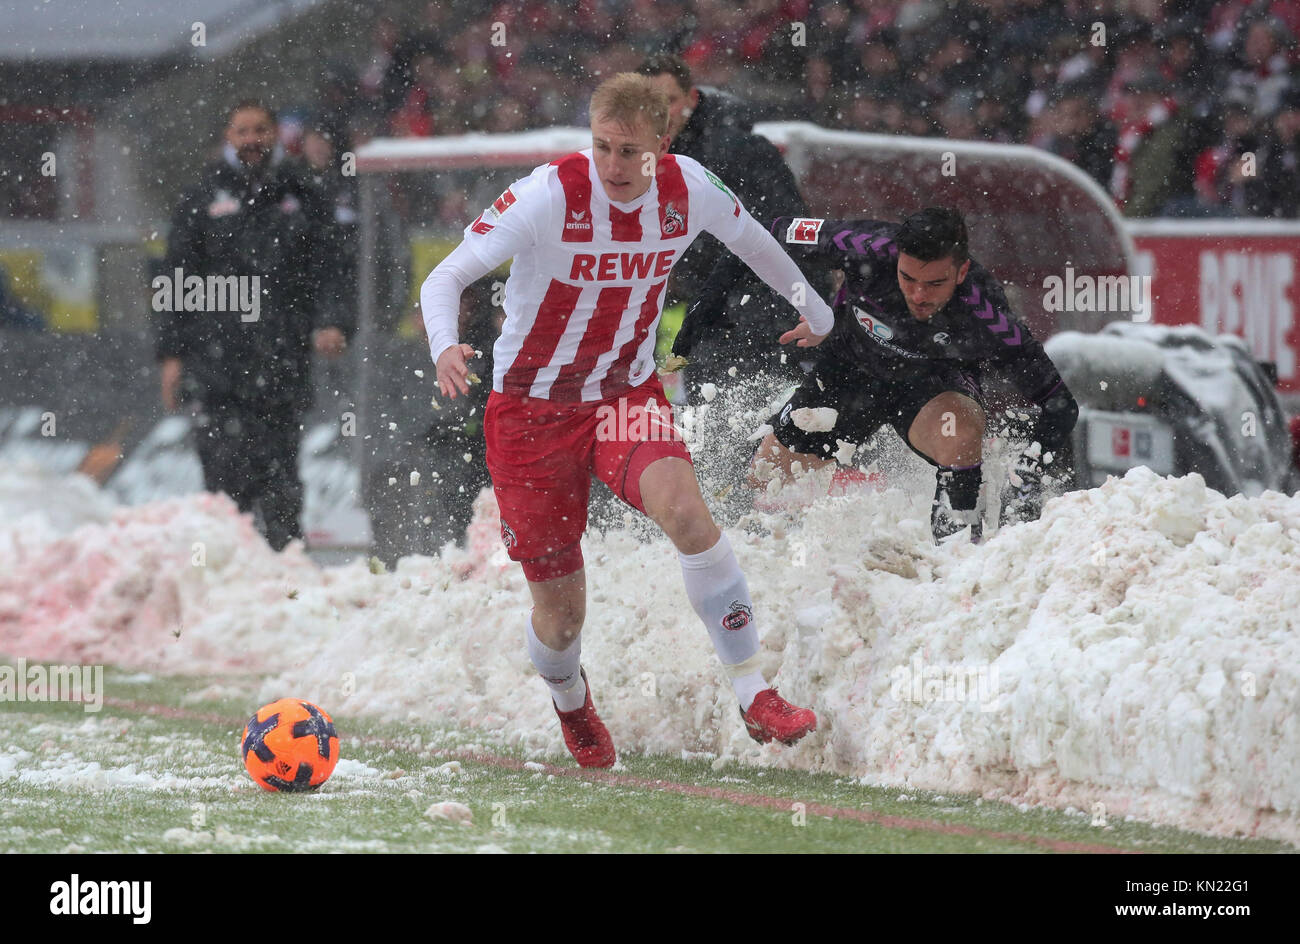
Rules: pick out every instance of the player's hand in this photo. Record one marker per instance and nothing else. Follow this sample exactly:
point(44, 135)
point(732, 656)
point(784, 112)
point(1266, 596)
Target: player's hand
point(330, 342)
point(453, 371)
point(803, 334)
point(171, 382)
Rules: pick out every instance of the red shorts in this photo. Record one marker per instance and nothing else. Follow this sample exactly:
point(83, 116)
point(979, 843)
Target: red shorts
point(542, 454)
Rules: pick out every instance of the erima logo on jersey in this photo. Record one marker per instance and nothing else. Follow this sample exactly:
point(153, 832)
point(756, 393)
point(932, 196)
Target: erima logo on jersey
point(481, 226)
point(803, 230)
point(579, 221)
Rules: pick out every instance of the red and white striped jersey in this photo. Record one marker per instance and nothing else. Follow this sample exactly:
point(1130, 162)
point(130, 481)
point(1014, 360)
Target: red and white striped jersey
point(587, 285)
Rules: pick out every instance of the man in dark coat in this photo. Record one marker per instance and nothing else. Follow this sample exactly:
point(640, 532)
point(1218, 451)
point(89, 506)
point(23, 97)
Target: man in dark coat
point(246, 291)
point(717, 130)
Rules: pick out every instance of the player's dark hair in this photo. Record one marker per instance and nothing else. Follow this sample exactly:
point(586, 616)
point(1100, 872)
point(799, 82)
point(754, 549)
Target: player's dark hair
point(244, 103)
point(665, 62)
point(934, 233)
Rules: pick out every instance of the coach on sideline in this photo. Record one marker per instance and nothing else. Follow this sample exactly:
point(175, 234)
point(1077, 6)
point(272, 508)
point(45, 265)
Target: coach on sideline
point(716, 129)
point(257, 227)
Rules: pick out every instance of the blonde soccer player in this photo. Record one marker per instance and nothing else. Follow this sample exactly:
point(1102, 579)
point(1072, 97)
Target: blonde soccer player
point(594, 235)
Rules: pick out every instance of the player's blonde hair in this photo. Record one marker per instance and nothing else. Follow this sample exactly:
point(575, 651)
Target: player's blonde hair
point(631, 99)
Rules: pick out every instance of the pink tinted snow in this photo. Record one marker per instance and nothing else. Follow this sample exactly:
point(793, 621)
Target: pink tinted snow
point(123, 591)
point(1145, 636)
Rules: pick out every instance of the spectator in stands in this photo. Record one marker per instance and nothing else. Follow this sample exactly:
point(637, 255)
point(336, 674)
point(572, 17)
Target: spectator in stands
point(1136, 59)
point(657, 24)
point(950, 67)
point(999, 120)
point(1221, 169)
point(856, 111)
point(1151, 143)
point(718, 29)
point(882, 74)
point(428, 106)
point(337, 104)
point(1187, 64)
point(383, 40)
point(252, 215)
point(1070, 127)
point(1261, 67)
point(957, 118)
point(1015, 52)
point(820, 94)
point(424, 40)
point(1275, 188)
point(829, 39)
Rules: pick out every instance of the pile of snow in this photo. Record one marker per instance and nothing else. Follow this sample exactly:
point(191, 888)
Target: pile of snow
point(129, 584)
point(1137, 647)
point(36, 506)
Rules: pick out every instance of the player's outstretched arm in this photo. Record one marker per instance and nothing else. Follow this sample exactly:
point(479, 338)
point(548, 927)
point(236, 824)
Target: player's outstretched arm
point(503, 230)
point(763, 254)
point(440, 306)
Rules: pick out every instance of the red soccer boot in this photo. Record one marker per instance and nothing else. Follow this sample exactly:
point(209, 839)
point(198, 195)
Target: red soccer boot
point(585, 734)
point(771, 717)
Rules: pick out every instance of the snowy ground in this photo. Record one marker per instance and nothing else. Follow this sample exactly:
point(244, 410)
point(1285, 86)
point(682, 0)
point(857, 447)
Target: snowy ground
point(1135, 652)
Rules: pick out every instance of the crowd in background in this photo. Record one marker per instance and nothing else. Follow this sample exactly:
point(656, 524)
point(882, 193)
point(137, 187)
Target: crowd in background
point(1177, 108)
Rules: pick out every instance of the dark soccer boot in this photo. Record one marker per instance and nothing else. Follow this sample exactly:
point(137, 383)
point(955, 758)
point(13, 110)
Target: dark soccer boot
point(960, 488)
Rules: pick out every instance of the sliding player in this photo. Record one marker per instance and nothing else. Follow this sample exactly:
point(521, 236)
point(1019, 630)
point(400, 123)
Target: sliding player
point(917, 323)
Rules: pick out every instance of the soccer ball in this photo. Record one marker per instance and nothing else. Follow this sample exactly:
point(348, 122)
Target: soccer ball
point(290, 745)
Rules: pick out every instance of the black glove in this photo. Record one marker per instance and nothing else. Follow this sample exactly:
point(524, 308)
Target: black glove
point(1022, 496)
point(709, 308)
point(701, 315)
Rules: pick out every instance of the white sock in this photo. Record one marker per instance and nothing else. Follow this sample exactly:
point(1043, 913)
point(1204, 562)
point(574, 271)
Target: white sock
point(561, 670)
point(718, 592)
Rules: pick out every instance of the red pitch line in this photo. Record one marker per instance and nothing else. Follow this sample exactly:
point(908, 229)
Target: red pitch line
point(738, 797)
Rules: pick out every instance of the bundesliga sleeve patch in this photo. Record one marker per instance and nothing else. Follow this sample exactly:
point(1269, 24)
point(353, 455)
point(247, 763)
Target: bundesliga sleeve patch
point(501, 204)
point(803, 230)
point(486, 220)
